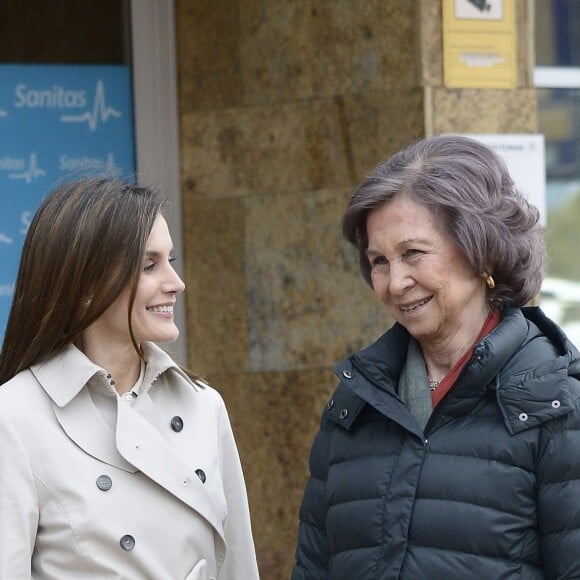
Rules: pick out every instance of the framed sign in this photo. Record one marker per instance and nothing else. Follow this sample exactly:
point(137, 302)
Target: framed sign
point(57, 122)
point(479, 44)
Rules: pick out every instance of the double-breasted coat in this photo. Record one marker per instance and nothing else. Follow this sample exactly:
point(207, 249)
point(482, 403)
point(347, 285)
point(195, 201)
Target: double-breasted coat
point(97, 485)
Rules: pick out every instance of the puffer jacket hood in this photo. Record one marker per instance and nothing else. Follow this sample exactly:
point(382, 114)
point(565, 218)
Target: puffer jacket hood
point(520, 382)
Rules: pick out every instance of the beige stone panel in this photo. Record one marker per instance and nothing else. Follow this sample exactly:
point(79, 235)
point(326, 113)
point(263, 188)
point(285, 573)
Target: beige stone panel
point(307, 304)
point(208, 34)
point(213, 240)
point(299, 49)
point(275, 417)
point(380, 123)
point(276, 50)
point(431, 42)
point(364, 46)
point(236, 152)
point(483, 111)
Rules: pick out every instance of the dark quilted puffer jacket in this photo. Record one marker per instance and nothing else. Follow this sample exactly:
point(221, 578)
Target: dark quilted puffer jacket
point(490, 489)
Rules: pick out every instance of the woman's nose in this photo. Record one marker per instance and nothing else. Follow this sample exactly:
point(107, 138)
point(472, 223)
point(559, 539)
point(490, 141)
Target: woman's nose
point(399, 279)
point(174, 283)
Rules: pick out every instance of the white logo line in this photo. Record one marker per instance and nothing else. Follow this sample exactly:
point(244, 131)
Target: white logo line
point(33, 171)
point(100, 110)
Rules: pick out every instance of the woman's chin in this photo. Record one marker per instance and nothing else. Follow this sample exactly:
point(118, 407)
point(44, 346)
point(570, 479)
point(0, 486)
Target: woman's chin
point(420, 331)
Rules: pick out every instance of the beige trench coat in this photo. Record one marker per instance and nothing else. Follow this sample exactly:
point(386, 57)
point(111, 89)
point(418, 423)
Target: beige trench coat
point(153, 488)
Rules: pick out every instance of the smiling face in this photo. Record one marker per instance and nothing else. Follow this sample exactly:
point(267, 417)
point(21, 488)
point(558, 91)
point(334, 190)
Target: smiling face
point(159, 284)
point(419, 274)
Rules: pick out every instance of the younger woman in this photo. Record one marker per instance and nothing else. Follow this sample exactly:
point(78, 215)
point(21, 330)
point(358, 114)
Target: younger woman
point(113, 462)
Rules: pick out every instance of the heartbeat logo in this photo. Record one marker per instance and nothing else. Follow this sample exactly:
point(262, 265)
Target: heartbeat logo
point(4, 239)
point(100, 110)
point(31, 173)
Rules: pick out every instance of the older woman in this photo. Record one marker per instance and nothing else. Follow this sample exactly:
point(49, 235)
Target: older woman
point(451, 448)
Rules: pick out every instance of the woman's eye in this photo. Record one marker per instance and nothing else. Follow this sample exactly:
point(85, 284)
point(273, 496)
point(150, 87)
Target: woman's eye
point(149, 266)
point(413, 253)
point(379, 261)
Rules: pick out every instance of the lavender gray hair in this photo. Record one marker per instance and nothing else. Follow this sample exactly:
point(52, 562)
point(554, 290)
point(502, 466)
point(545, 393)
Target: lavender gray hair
point(472, 196)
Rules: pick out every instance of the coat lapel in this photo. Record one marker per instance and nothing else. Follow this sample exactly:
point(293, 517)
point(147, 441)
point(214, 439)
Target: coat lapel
point(83, 424)
point(144, 447)
point(64, 377)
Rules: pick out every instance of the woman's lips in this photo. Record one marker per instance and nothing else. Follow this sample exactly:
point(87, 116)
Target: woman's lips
point(410, 306)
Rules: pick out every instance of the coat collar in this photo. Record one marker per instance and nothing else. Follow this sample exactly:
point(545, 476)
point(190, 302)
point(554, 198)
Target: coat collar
point(78, 369)
point(72, 364)
point(525, 362)
point(382, 362)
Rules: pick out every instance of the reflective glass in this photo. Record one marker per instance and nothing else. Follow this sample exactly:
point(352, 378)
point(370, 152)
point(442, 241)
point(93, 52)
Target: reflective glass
point(557, 41)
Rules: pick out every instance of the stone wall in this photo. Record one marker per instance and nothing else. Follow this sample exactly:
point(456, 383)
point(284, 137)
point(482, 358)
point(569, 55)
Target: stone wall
point(285, 105)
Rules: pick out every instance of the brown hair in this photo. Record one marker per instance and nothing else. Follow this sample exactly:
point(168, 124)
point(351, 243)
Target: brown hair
point(469, 191)
point(85, 245)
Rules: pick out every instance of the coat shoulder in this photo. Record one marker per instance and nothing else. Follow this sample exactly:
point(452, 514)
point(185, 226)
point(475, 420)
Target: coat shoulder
point(204, 391)
point(21, 390)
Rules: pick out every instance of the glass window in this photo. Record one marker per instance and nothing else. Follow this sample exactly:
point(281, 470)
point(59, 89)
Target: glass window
point(61, 31)
point(557, 38)
point(557, 78)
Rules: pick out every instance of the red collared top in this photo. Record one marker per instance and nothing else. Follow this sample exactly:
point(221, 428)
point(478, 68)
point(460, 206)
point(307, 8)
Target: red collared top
point(449, 379)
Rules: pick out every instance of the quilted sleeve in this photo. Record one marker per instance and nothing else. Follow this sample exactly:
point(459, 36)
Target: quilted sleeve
point(558, 476)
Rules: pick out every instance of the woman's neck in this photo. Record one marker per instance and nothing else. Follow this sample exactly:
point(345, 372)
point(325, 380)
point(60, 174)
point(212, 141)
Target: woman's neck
point(443, 353)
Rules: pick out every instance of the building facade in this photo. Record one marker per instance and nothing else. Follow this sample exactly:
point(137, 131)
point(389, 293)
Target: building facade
point(282, 107)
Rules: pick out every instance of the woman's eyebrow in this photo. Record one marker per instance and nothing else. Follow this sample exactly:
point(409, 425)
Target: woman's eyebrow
point(401, 244)
point(156, 253)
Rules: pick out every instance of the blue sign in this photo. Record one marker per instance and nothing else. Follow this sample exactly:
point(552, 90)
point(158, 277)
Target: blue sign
point(56, 122)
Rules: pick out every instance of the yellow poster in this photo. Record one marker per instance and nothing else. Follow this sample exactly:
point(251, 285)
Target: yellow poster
point(479, 44)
